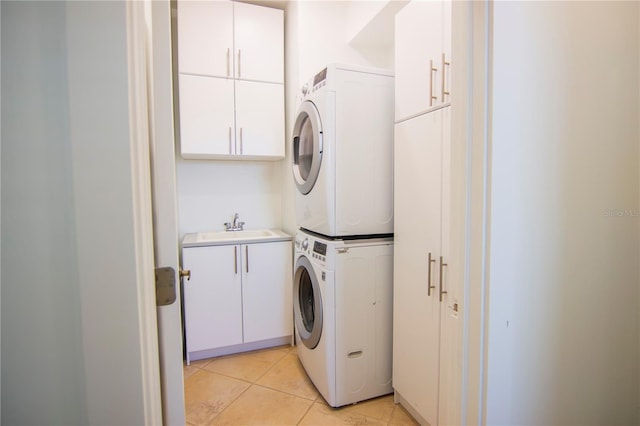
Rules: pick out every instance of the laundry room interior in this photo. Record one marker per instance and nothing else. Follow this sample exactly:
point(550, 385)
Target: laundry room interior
point(211, 191)
point(317, 212)
point(413, 41)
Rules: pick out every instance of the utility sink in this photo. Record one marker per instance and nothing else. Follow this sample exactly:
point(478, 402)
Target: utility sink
point(234, 237)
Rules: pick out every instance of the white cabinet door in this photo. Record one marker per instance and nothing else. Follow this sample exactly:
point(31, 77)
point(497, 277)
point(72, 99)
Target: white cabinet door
point(267, 291)
point(205, 38)
point(417, 235)
point(259, 43)
point(212, 297)
point(450, 375)
point(230, 104)
point(446, 49)
point(206, 117)
point(259, 119)
point(422, 57)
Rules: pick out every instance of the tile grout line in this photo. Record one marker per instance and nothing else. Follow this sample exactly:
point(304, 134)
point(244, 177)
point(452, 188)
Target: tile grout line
point(234, 377)
point(232, 401)
point(288, 393)
point(270, 368)
point(307, 412)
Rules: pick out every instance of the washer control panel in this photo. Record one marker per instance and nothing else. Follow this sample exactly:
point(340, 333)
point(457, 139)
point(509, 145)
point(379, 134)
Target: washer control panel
point(311, 247)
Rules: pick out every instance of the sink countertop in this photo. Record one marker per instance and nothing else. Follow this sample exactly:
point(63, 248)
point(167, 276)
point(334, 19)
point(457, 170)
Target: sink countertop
point(247, 236)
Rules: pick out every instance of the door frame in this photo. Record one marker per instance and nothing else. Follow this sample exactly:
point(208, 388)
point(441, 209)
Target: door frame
point(143, 228)
point(471, 196)
point(145, 101)
point(470, 158)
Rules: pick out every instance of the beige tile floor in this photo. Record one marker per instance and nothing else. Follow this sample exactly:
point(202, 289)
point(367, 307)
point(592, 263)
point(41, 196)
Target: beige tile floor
point(270, 387)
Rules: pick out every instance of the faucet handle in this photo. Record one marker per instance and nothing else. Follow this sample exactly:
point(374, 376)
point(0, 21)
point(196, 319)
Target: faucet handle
point(240, 225)
point(227, 225)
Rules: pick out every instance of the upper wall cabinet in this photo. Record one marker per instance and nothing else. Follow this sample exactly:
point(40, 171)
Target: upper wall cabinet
point(422, 57)
point(259, 43)
point(231, 40)
point(205, 38)
point(231, 81)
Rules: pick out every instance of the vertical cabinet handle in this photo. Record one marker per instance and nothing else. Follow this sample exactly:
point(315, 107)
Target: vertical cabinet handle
point(246, 255)
point(239, 63)
point(429, 286)
point(228, 62)
point(229, 140)
point(442, 265)
point(444, 74)
point(235, 260)
point(432, 70)
point(241, 143)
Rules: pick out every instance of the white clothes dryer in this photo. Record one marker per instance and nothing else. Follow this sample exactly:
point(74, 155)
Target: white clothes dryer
point(343, 152)
point(343, 301)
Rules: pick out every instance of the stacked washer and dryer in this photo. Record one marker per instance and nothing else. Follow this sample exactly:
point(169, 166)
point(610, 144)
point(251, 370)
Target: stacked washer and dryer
point(343, 265)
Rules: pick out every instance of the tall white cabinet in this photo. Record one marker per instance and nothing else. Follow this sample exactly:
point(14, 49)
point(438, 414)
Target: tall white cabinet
point(424, 302)
point(422, 57)
point(231, 80)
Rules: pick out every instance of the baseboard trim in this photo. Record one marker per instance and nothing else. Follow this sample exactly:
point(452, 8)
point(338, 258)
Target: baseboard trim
point(234, 349)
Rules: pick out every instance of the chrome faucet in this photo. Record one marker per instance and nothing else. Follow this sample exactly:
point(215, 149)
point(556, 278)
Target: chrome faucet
point(235, 225)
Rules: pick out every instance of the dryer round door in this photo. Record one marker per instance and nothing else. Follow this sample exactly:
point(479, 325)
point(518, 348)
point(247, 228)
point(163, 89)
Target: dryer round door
point(307, 303)
point(307, 147)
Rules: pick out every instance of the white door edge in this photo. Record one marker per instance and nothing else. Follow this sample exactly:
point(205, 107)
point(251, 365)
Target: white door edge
point(165, 210)
point(143, 229)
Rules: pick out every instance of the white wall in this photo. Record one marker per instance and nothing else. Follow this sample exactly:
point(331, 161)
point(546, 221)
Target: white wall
point(210, 192)
point(71, 333)
point(563, 297)
point(317, 46)
point(42, 362)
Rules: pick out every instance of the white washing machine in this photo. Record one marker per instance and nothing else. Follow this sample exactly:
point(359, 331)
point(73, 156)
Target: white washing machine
point(343, 301)
point(343, 152)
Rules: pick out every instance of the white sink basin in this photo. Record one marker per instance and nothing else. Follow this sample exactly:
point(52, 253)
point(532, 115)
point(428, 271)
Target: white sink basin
point(234, 237)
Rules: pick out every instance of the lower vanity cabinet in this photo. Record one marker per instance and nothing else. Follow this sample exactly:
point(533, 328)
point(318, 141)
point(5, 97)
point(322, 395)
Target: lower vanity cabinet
point(238, 298)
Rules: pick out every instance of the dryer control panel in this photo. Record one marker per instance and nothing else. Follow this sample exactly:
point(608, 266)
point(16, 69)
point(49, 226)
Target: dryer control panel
point(319, 80)
point(319, 251)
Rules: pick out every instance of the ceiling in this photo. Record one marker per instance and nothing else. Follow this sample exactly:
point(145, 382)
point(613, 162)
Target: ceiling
point(276, 4)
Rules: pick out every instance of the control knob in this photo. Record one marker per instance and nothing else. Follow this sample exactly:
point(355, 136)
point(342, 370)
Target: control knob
point(305, 89)
point(305, 244)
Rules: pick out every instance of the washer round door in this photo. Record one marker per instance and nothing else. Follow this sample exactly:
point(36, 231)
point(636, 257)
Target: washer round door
point(307, 147)
point(307, 303)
